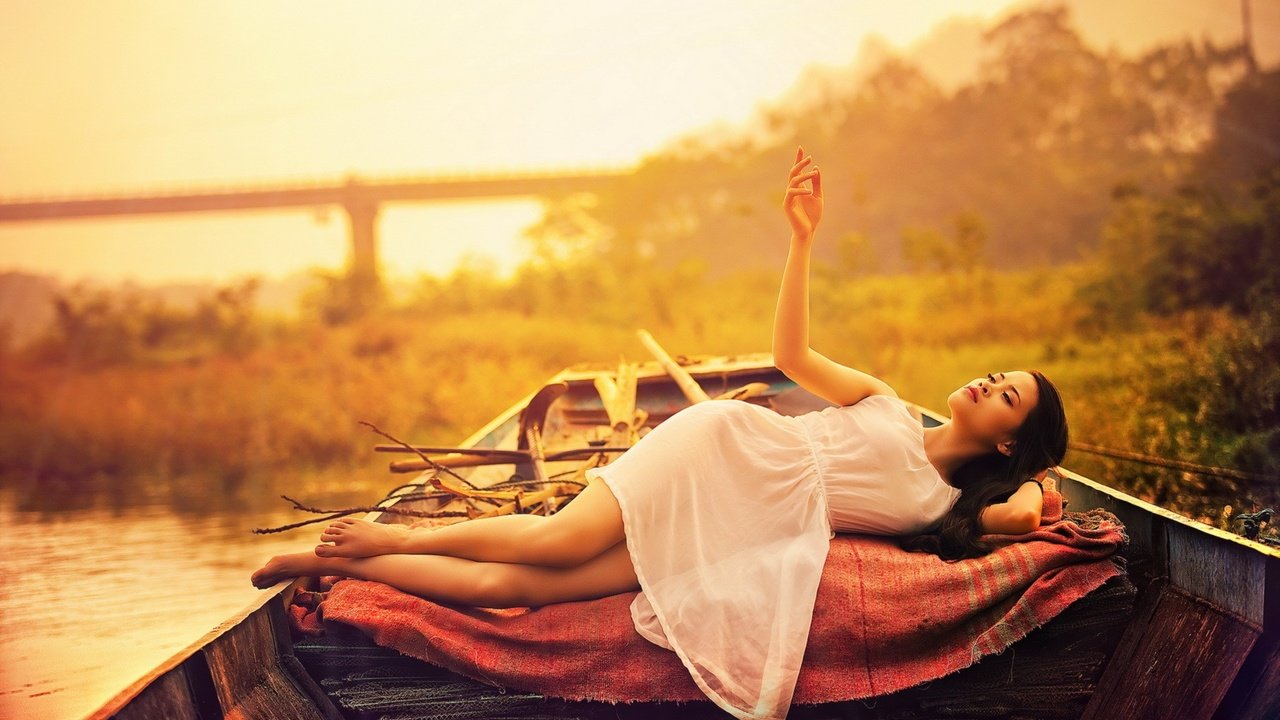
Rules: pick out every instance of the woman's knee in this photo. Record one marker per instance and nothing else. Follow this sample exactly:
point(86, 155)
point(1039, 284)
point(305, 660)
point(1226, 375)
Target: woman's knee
point(500, 585)
point(608, 573)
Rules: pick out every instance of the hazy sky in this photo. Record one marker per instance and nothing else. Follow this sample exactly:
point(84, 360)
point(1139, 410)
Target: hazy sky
point(105, 97)
point(122, 97)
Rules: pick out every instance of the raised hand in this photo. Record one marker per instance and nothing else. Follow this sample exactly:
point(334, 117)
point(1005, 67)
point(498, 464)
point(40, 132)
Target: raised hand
point(803, 205)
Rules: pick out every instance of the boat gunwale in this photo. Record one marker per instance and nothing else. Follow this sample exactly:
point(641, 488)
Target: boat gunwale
point(121, 699)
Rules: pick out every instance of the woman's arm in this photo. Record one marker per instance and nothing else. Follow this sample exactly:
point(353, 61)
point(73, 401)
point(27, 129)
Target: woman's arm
point(791, 352)
point(1017, 515)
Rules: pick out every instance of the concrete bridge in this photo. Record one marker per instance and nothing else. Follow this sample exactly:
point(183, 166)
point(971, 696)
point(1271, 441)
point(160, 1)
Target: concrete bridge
point(361, 198)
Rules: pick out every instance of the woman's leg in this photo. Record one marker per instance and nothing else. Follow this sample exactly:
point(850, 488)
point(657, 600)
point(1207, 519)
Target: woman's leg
point(468, 582)
point(587, 526)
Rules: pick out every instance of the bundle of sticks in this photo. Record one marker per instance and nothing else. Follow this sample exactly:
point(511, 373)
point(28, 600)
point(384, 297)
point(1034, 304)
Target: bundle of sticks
point(618, 394)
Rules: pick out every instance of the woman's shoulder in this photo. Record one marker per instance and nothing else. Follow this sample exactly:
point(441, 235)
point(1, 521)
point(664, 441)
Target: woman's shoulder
point(887, 411)
point(891, 404)
point(880, 408)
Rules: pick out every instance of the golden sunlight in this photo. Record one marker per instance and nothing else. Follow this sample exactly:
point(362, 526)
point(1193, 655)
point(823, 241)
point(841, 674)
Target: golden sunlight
point(138, 100)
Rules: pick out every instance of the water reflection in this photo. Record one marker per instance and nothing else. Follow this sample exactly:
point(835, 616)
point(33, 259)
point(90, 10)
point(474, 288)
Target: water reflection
point(101, 585)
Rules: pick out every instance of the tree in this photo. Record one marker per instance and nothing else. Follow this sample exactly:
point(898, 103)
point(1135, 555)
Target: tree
point(969, 241)
point(1033, 145)
point(924, 249)
point(1119, 290)
point(856, 255)
point(1246, 135)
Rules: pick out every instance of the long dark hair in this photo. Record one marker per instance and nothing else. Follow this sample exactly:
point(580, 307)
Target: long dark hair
point(1039, 443)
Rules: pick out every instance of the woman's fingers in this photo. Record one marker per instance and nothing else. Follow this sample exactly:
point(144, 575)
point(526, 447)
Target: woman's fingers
point(800, 181)
point(799, 175)
point(795, 187)
point(796, 180)
point(800, 165)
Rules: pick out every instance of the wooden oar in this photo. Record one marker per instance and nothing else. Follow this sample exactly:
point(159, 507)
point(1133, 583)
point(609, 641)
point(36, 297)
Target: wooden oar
point(452, 460)
point(619, 399)
point(690, 387)
point(450, 450)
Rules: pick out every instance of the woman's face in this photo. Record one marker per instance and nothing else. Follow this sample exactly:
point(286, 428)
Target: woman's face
point(992, 408)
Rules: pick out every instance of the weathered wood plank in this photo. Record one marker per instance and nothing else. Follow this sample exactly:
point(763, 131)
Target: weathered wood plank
point(293, 668)
point(190, 662)
point(1115, 675)
point(1186, 658)
point(249, 678)
point(168, 698)
point(1229, 575)
point(1255, 695)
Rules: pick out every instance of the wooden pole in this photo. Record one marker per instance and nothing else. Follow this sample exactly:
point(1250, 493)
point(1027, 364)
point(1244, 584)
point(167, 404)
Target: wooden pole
point(688, 385)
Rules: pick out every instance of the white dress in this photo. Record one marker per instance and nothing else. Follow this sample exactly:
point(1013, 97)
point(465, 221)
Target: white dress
point(728, 509)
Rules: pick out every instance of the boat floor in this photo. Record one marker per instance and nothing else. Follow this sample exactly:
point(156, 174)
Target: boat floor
point(1049, 674)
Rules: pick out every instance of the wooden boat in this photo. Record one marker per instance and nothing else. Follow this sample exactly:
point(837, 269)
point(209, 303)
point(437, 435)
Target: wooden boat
point(1193, 631)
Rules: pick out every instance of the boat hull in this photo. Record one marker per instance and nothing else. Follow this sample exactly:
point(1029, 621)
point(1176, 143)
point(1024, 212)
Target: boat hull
point(1190, 632)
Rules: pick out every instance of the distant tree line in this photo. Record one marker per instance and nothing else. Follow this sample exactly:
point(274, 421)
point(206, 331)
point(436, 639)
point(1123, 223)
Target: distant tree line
point(1211, 244)
point(1031, 149)
point(97, 326)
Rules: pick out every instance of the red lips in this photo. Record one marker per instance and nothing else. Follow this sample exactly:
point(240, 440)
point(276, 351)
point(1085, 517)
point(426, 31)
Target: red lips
point(973, 392)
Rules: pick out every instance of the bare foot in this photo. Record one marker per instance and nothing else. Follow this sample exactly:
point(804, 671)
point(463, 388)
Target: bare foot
point(283, 567)
point(354, 538)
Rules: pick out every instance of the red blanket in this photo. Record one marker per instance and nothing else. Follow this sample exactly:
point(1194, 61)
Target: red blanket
point(884, 619)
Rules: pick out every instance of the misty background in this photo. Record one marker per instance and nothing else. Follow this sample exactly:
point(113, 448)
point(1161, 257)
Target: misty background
point(1088, 188)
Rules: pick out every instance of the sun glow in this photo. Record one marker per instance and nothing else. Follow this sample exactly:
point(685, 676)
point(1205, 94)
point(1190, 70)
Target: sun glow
point(123, 99)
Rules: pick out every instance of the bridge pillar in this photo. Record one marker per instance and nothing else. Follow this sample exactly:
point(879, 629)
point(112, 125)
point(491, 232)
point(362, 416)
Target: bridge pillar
point(363, 266)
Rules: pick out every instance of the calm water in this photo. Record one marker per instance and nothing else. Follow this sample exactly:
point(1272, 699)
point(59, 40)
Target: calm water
point(94, 598)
